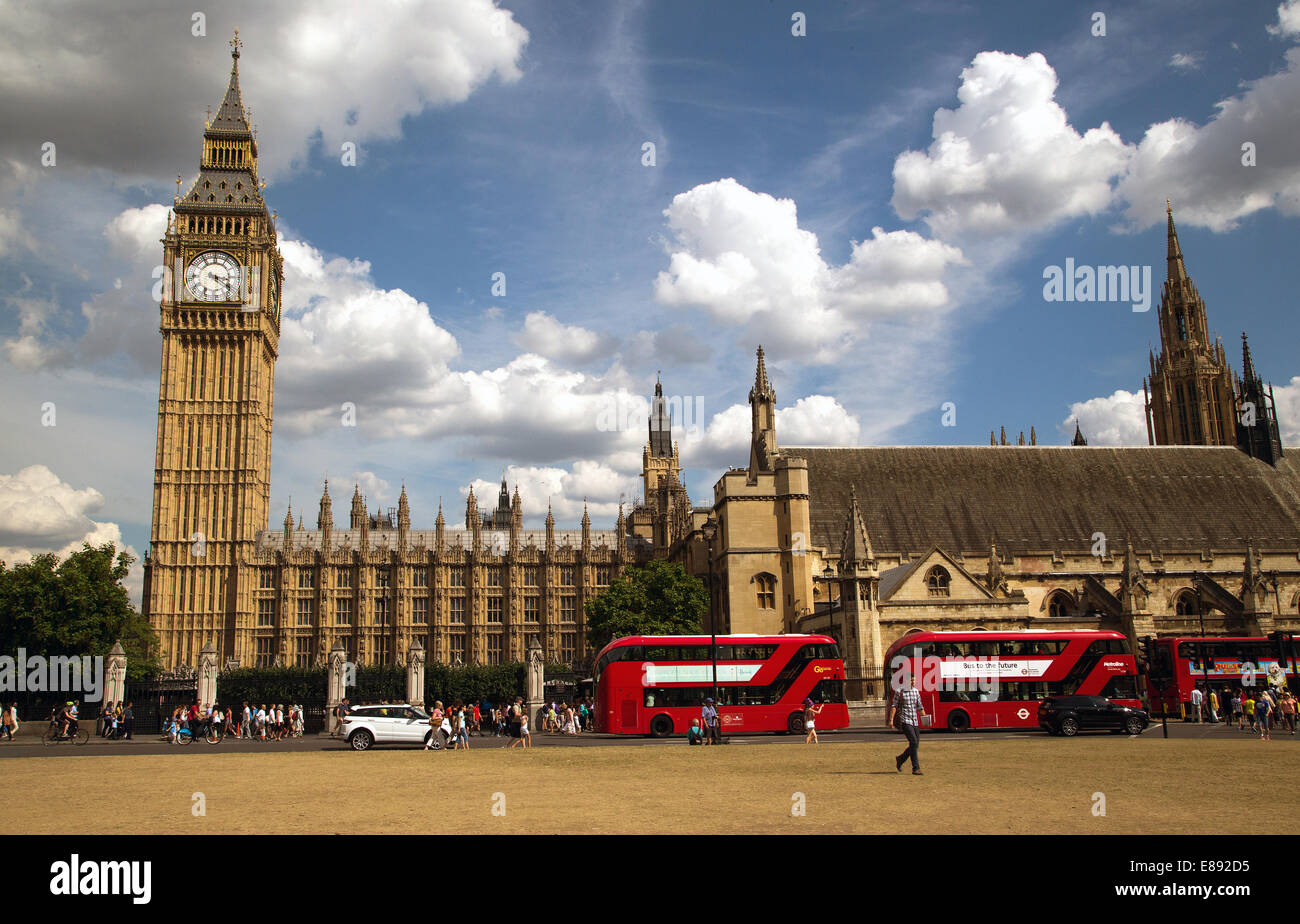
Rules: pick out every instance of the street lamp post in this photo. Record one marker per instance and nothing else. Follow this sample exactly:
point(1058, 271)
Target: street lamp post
point(1200, 647)
point(829, 574)
point(709, 530)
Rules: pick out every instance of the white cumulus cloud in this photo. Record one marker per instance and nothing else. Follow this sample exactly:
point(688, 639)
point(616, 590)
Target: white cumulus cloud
point(814, 420)
point(1203, 168)
point(344, 340)
point(1288, 19)
point(1007, 158)
point(313, 71)
point(741, 256)
point(545, 335)
point(1288, 411)
point(41, 513)
point(1116, 420)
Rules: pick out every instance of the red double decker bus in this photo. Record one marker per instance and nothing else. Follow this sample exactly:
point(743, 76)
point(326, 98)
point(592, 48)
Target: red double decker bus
point(1218, 663)
point(996, 679)
point(656, 684)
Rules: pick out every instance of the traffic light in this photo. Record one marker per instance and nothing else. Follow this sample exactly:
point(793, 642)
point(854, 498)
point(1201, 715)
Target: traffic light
point(1284, 647)
point(1146, 654)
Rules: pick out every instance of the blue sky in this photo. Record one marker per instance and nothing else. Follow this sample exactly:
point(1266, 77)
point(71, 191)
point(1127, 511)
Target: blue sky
point(800, 198)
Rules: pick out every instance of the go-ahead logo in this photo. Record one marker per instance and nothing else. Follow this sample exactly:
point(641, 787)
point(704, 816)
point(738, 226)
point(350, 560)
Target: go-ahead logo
point(103, 877)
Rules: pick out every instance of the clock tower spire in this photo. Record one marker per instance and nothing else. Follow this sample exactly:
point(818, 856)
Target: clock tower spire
point(220, 325)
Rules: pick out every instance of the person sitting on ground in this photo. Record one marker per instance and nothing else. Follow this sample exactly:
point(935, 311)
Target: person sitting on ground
point(696, 734)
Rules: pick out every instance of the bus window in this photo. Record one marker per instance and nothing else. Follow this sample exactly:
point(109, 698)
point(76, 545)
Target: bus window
point(746, 652)
point(1120, 688)
point(828, 691)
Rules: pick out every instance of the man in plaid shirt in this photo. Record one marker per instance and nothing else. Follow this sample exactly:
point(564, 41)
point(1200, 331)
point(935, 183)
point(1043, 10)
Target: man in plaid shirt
point(907, 705)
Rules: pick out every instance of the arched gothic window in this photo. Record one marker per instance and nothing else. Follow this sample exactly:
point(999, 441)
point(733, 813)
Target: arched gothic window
point(938, 581)
point(766, 591)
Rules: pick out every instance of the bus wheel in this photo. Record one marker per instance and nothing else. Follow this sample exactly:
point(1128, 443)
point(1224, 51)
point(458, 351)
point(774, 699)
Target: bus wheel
point(794, 724)
point(661, 726)
point(958, 721)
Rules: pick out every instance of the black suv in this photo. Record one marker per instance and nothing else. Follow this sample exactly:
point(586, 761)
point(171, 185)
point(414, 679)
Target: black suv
point(1069, 715)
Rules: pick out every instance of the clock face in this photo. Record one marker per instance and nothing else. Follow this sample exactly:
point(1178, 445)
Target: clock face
point(213, 277)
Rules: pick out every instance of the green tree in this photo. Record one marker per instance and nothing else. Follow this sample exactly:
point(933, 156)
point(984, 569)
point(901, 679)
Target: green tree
point(77, 607)
point(658, 598)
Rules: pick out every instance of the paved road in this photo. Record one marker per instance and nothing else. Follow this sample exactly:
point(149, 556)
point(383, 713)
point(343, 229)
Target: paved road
point(30, 745)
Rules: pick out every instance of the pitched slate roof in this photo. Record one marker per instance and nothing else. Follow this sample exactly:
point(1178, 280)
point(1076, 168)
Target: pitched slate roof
point(241, 189)
point(1049, 498)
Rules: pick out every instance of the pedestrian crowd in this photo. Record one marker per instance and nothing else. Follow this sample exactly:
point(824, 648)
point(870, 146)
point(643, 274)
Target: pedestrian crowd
point(255, 723)
point(9, 721)
point(458, 722)
point(116, 720)
point(566, 718)
point(1258, 711)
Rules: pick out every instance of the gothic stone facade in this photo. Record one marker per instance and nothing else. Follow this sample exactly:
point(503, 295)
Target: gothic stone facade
point(215, 575)
point(1199, 532)
point(470, 595)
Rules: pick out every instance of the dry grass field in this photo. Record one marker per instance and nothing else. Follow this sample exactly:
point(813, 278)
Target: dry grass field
point(999, 787)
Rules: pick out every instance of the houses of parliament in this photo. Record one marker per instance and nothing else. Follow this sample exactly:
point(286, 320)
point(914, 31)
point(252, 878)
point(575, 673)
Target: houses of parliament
point(1199, 531)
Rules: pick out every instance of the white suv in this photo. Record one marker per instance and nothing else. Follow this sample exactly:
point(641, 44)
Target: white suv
point(395, 723)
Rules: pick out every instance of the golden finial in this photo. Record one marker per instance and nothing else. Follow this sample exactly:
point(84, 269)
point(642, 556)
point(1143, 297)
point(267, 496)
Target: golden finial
point(1169, 208)
point(235, 44)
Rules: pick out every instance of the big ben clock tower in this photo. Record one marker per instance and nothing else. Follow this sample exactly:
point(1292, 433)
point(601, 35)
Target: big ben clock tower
point(220, 324)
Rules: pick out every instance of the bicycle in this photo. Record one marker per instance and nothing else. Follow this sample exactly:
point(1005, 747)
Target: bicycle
point(211, 732)
point(54, 736)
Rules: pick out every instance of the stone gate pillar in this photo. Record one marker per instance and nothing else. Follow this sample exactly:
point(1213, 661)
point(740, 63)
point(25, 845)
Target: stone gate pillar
point(207, 691)
point(415, 673)
point(115, 675)
point(334, 688)
point(534, 693)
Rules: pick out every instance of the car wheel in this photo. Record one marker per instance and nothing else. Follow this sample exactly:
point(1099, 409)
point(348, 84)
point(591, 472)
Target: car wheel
point(361, 740)
point(794, 724)
point(958, 721)
point(1069, 726)
point(661, 726)
point(1134, 726)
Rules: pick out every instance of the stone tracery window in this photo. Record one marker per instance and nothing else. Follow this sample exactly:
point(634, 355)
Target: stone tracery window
point(766, 591)
point(938, 582)
point(1059, 605)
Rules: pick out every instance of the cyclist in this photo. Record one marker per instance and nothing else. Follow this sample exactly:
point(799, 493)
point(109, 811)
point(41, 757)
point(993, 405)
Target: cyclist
point(68, 719)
